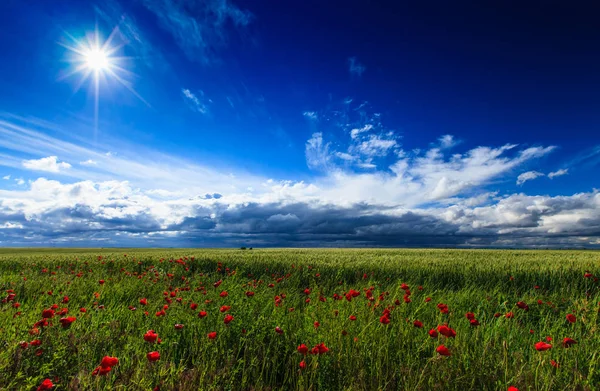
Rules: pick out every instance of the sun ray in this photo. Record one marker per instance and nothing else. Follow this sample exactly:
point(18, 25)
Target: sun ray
point(95, 59)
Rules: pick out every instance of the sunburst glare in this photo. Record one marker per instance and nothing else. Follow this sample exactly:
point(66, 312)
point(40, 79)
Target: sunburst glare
point(95, 58)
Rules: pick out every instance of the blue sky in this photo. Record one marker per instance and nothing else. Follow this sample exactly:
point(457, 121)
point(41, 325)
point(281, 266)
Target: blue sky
point(261, 123)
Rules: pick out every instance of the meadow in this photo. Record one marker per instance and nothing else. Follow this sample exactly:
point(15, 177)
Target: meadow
point(291, 319)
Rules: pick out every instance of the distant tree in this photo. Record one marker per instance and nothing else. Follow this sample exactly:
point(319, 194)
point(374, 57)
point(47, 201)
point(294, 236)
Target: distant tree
point(242, 248)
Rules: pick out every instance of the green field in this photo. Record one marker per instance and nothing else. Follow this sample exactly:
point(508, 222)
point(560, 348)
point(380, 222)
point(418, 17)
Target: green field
point(291, 290)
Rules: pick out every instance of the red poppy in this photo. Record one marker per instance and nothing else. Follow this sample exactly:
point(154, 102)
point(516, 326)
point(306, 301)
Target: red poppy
point(384, 319)
point(224, 294)
point(35, 342)
point(23, 344)
point(418, 324)
point(278, 330)
point(225, 308)
point(320, 349)
point(101, 282)
point(427, 299)
point(474, 322)
point(108, 361)
point(542, 346)
point(212, 335)
point(470, 315)
point(202, 314)
point(509, 315)
point(433, 333)
point(522, 305)
point(65, 299)
point(443, 308)
point(568, 342)
point(316, 324)
point(83, 310)
point(228, 318)
point(249, 294)
point(144, 301)
point(153, 356)
point(302, 349)
point(46, 385)
point(178, 326)
point(443, 351)
point(47, 314)
point(571, 318)
point(512, 388)
point(150, 336)
point(497, 315)
point(446, 331)
point(352, 317)
point(302, 364)
point(66, 322)
point(554, 364)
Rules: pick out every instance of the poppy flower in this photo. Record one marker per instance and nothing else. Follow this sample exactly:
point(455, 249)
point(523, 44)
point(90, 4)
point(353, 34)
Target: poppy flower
point(101, 282)
point(82, 310)
point(427, 299)
point(35, 342)
point(320, 349)
point(224, 294)
point(150, 336)
point(153, 356)
point(23, 344)
point(47, 314)
point(225, 308)
point(474, 322)
point(522, 305)
point(446, 331)
point(497, 315)
point(433, 333)
point(66, 322)
point(571, 318)
point(316, 324)
point(46, 385)
point(509, 315)
point(352, 317)
point(228, 318)
point(108, 361)
point(202, 314)
point(302, 349)
point(542, 346)
point(512, 388)
point(65, 299)
point(144, 301)
point(443, 351)
point(178, 326)
point(302, 364)
point(470, 315)
point(418, 324)
point(278, 330)
point(554, 364)
point(212, 335)
point(384, 319)
point(249, 294)
point(443, 308)
point(568, 342)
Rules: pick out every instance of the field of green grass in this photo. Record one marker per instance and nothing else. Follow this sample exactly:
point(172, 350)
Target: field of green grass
point(238, 320)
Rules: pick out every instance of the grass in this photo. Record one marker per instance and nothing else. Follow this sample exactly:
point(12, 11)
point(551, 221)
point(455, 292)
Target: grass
point(248, 353)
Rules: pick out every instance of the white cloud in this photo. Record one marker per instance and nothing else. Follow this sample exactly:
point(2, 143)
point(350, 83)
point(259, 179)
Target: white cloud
point(20, 181)
point(355, 68)
point(356, 131)
point(317, 152)
point(312, 115)
point(48, 164)
point(447, 141)
point(375, 146)
point(195, 102)
point(528, 176)
point(561, 172)
point(89, 162)
point(6, 177)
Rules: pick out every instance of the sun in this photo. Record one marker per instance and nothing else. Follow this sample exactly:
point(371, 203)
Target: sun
point(97, 59)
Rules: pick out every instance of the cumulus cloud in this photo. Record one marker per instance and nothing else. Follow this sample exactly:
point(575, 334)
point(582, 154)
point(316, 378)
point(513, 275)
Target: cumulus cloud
point(6, 177)
point(355, 68)
point(49, 164)
point(429, 197)
point(447, 141)
point(561, 172)
point(528, 176)
point(89, 162)
point(310, 115)
point(115, 213)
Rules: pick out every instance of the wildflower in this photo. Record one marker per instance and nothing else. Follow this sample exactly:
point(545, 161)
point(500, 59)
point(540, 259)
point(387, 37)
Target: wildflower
point(542, 346)
point(153, 356)
point(442, 350)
